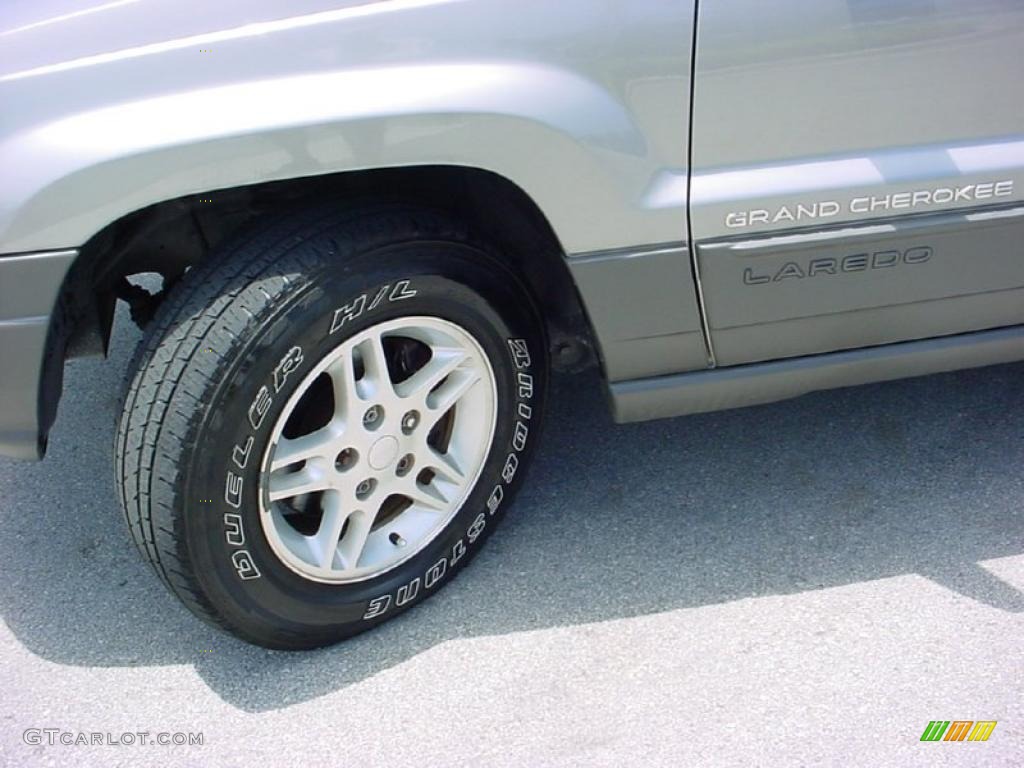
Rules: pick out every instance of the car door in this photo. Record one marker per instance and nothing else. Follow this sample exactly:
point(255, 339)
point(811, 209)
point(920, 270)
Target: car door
point(858, 172)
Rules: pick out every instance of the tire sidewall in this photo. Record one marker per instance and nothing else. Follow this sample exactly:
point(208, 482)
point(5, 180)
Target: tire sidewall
point(232, 559)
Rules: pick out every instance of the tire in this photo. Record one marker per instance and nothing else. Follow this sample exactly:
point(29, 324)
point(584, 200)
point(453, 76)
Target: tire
point(229, 384)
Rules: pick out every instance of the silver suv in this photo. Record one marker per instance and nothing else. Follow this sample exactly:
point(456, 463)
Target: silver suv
point(360, 235)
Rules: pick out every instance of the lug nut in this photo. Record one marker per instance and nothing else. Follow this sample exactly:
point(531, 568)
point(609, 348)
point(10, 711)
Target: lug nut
point(373, 416)
point(346, 459)
point(410, 421)
point(404, 465)
point(365, 488)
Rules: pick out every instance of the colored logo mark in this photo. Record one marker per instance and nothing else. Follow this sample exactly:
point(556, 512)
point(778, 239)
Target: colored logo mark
point(958, 730)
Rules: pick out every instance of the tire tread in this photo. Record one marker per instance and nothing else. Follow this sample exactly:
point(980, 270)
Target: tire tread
point(210, 309)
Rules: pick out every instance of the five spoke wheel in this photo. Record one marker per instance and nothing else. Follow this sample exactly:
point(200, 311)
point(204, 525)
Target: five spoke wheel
point(377, 449)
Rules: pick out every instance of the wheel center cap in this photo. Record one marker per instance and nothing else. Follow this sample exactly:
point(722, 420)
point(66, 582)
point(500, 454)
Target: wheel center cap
point(384, 452)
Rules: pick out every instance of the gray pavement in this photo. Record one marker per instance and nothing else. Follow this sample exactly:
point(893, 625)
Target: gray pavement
point(807, 583)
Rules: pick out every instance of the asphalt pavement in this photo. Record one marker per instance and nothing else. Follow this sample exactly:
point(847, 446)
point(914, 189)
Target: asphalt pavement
point(806, 583)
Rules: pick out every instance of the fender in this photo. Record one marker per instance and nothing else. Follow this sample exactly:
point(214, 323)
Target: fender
point(161, 119)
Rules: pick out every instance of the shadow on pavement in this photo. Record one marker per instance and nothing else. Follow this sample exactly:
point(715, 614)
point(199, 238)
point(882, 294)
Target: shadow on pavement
point(922, 476)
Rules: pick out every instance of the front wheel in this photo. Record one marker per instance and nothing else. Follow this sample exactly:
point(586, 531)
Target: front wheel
point(327, 421)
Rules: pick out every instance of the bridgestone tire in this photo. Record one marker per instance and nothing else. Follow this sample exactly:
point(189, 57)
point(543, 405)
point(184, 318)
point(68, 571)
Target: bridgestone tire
point(219, 364)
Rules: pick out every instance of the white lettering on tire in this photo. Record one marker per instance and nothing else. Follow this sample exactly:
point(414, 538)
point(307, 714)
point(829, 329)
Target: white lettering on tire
point(233, 531)
point(495, 499)
point(508, 472)
point(240, 455)
point(408, 593)
point(284, 369)
point(244, 565)
point(476, 528)
point(233, 490)
point(435, 573)
point(458, 550)
point(355, 308)
point(521, 358)
point(260, 405)
point(377, 607)
point(291, 361)
point(234, 484)
point(348, 313)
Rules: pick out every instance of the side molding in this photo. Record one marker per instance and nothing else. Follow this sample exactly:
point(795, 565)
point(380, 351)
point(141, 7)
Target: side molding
point(847, 287)
point(759, 383)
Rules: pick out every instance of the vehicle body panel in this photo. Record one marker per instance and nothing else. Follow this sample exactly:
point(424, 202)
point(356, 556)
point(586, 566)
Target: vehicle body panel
point(583, 105)
point(643, 310)
point(815, 115)
point(29, 286)
point(835, 143)
point(910, 278)
point(737, 386)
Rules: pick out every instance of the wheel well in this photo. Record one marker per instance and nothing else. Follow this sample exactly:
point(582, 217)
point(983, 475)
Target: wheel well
point(169, 237)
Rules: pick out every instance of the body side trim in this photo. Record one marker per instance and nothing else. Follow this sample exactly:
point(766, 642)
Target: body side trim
point(760, 383)
point(29, 286)
point(802, 293)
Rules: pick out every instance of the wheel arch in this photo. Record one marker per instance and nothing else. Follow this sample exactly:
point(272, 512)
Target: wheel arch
point(169, 237)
